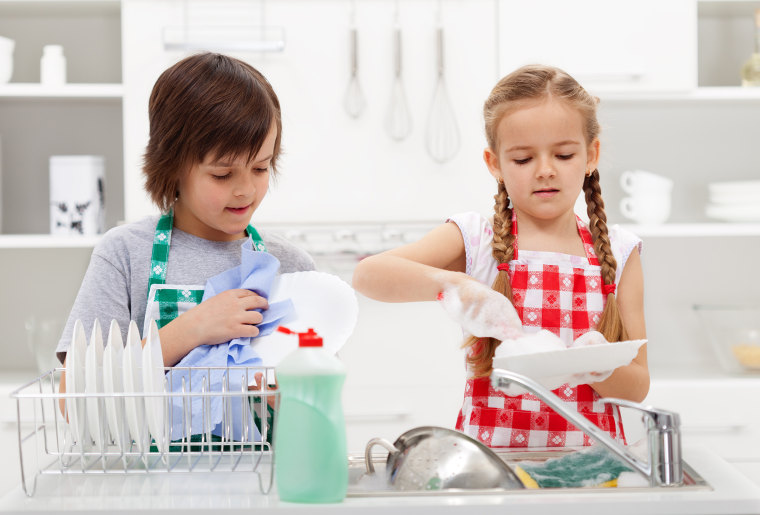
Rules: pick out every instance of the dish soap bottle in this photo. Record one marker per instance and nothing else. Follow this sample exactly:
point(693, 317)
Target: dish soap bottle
point(311, 462)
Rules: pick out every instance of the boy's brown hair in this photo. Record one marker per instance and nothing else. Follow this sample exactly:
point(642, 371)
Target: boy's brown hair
point(206, 103)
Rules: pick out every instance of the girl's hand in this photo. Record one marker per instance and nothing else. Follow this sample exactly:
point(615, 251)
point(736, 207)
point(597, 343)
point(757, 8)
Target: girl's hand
point(589, 338)
point(224, 317)
point(481, 311)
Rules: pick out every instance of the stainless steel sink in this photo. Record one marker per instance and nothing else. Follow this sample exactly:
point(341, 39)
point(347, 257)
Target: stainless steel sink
point(362, 485)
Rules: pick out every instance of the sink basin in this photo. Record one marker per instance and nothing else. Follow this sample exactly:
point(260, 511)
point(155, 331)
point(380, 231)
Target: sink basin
point(360, 484)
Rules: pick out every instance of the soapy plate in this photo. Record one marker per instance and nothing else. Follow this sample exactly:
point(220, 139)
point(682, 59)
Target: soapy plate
point(554, 368)
point(322, 301)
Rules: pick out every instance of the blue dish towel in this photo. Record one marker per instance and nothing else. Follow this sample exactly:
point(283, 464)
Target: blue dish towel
point(256, 272)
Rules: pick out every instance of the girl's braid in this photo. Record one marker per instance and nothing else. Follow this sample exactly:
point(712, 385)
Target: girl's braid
point(610, 324)
point(480, 356)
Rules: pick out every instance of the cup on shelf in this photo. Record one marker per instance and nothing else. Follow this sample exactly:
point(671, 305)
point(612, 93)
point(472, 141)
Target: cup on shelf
point(641, 182)
point(646, 209)
point(6, 59)
point(648, 200)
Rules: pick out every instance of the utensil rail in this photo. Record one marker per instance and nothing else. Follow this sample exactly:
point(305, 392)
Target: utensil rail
point(48, 443)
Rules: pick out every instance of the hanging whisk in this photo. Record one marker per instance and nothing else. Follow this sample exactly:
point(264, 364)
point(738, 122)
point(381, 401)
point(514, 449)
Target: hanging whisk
point(442, 138)
point(353, 100)
point(398, 120)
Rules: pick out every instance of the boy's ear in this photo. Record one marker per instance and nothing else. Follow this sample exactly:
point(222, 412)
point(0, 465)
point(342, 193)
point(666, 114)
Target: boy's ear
point(492, 162)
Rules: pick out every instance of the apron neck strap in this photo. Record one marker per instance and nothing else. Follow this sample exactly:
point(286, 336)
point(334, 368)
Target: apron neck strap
point(583, 232)
point(159, 259)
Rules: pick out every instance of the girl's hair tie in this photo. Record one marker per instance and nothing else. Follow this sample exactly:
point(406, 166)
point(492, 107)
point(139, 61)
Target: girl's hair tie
point(502, 267)
point(608, 288)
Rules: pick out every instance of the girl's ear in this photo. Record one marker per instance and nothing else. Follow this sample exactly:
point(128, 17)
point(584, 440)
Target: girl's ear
point(492, 162)
point(592, 159)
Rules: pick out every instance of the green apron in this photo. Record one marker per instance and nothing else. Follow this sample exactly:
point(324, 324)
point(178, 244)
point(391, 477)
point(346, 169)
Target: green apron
point(165, 302)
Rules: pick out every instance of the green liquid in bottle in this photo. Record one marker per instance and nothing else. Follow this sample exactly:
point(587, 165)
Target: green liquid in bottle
point(311, 462)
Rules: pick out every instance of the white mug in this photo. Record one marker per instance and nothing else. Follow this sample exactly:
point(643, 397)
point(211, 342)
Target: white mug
point(641, 182)
point(6, 59)
point(652, 208)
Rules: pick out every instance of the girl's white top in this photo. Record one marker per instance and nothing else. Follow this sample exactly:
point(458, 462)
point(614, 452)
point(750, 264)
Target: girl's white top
point(477, 233)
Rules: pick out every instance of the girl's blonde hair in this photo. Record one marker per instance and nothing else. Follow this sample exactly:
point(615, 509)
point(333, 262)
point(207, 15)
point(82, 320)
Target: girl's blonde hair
point(535, 82)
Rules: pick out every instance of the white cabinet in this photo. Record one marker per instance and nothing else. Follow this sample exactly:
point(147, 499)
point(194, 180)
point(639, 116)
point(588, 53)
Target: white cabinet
point(80, 117)
point(83, 116)
point(648, 45)
point(718, 412)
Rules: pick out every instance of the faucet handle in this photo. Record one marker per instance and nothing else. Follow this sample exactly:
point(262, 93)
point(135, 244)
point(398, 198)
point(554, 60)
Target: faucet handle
point(655, 418)
point(664, 441)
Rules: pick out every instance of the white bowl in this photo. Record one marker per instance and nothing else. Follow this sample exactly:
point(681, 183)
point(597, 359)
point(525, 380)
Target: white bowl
point(734, 333)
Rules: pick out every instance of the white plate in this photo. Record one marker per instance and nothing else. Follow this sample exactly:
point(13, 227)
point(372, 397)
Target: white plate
point(747, 197)
point(134, 406)
point(734, 213)
point(153, 382)
point(113, 382)
point(94, 385)
point(76, 408)
point(322, 301)
point(733, 188)
point(553, 368)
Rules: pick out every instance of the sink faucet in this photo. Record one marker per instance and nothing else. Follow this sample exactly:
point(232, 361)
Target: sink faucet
point(664, 467)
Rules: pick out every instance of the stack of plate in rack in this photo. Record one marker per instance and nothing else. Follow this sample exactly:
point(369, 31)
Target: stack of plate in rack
point(735, 201)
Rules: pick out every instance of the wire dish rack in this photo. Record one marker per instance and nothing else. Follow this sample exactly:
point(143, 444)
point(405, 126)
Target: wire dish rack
point(210, 422)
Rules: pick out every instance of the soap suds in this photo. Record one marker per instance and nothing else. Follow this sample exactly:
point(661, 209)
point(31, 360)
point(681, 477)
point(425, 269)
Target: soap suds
point(481, 311)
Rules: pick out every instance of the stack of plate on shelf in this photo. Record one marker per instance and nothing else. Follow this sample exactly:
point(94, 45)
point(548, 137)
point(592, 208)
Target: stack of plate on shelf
point(735, 201)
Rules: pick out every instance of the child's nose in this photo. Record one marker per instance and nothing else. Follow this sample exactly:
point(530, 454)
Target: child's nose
point(245, 186)
point(545, 168)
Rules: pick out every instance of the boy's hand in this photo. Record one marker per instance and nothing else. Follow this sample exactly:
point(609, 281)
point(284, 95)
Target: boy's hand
point(259, 386)
point(224, 317)
point(481, 311)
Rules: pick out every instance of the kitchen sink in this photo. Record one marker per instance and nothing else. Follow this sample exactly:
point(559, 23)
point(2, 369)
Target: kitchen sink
point(361, 484)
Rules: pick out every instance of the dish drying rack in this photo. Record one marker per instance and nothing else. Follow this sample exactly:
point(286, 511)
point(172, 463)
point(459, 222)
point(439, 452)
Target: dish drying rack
point(48, 443)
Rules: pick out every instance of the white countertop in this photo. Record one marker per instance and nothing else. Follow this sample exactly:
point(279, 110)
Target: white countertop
point(731, 492)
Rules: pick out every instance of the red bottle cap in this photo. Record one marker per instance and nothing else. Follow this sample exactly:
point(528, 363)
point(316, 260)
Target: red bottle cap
point(309, 339)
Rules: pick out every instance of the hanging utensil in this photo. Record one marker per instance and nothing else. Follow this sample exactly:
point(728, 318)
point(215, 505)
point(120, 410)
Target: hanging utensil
point(442, 138)
point(353, 100)
point(398, 121)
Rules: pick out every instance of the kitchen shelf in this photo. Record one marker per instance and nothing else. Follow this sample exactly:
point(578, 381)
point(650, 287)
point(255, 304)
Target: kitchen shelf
point(79, 91)
point(694, 230)
point(46, 241)
point(701, 95)
point(48, 6)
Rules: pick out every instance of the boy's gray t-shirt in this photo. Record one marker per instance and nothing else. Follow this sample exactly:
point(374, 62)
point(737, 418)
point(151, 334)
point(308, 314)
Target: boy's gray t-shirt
point(115, 286)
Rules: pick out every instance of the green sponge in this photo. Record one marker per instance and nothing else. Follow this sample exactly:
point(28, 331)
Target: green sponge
point(595, 466)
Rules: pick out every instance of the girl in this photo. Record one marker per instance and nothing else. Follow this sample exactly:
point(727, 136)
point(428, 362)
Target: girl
point(215, 132)
point(560, 274)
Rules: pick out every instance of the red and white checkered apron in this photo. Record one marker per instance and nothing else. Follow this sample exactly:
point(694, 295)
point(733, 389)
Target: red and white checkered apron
point(549, 292)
